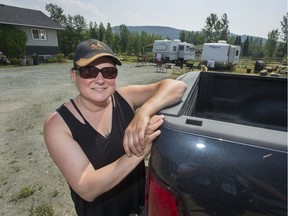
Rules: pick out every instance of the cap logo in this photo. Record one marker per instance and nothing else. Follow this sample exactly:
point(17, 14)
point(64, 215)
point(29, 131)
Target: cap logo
point(97, 45)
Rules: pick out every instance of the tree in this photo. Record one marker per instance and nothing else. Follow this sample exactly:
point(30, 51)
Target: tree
point(195, 38)
point(282, 46)
point(108, 34)
point(92, 31)
point(245, 49)
point(223, 28)
point(13, 41)
point(209, 29)
point(102, 30)
point(56, 13)
point(271, 43)
point(237, 41)
point(183, 35)
point(216, 29)
point(284, 26)
point(124, 38)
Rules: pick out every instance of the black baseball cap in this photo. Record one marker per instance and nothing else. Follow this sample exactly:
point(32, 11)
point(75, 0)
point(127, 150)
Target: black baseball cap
point(89, 50)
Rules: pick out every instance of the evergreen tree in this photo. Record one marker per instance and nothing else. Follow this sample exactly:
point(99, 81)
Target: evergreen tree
point(93, 31)
point(216, 29)
point(271, 43)
point(101, 35)
point(108, 34)
point(245, 48)
point(124, 38)
point(237, 41)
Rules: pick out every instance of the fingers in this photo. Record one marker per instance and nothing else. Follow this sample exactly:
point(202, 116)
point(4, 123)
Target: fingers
point(155, 122)
point(126, 146)
point(131, 144)
point(149, 139)
point(135, 134)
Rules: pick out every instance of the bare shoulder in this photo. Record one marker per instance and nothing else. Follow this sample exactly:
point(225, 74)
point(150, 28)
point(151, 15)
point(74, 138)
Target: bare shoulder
point(53, 120)
point(55, 128)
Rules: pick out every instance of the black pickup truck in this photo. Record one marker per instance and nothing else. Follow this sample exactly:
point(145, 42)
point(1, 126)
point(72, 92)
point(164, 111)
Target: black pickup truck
point(222, 150)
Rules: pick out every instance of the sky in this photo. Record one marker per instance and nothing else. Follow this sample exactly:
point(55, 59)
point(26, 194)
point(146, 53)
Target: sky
point(246, 17)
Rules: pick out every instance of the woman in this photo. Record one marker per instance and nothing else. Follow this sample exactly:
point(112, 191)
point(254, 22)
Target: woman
point(87, 137)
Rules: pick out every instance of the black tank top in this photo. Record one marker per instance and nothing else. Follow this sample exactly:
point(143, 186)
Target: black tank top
point(125, 198)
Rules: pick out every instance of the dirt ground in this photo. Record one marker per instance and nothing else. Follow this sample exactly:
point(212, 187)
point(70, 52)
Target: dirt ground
point(30, 183)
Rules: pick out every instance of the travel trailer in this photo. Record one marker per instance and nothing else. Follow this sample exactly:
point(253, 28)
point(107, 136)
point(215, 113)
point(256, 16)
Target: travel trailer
point(220, 55)
point(173, 50)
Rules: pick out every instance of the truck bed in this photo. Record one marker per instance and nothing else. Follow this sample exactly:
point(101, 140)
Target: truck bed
point(233, 106)
point(249, 100)
point(222, 150)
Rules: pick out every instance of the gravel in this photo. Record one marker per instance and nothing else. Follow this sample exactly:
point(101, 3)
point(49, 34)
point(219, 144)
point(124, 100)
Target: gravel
point(30, 183)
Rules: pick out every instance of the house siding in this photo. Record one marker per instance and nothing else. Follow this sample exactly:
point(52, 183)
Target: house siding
point(51, 37)
point(47, 47)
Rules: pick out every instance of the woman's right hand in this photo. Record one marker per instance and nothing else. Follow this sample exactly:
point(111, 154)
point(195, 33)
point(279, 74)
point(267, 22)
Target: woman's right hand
point(152, 131)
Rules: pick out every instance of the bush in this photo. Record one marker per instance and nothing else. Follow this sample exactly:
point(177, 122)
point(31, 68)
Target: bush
point(4, 60)
point(13, 41)
point(14, 61)
point(60, 57)
point(71, 56)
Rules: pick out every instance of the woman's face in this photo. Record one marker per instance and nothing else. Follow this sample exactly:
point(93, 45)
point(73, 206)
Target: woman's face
point(97, 89)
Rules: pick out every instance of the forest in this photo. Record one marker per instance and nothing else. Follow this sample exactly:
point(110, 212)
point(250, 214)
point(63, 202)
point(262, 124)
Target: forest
point(125, 42)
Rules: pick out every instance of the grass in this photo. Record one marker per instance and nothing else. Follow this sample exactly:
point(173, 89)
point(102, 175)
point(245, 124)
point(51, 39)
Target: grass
point(42, 210)
point(24, 193)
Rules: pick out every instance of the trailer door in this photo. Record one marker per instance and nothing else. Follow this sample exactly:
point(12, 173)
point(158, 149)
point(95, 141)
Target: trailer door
point(181, 52)
point(231, 55)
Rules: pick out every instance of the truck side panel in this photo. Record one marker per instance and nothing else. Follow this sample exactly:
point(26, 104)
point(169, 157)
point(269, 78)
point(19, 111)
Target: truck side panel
point(223, 149)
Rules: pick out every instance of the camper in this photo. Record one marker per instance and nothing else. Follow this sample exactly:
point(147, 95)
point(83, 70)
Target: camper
point(173, 50)
point(220, 55)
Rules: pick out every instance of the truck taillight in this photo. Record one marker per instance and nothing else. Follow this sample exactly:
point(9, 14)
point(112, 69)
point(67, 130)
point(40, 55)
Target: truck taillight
point(161, 200)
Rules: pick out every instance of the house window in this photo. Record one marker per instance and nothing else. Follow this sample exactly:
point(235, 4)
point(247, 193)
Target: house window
point(39, 34)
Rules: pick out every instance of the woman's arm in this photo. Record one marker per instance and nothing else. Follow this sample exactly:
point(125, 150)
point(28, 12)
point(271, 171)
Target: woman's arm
point(150, 98)
point(75, 166)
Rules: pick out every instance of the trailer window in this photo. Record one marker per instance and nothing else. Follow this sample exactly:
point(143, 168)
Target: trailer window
point(237, 52)
point(187, 48)
point(174, 48)
point(160, 47)
point(181, 47)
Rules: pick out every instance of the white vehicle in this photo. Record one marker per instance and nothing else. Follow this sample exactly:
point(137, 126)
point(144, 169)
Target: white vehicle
point(173, 50)
point(220, 55)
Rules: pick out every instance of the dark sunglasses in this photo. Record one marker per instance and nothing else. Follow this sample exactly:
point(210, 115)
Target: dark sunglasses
point(91, 72)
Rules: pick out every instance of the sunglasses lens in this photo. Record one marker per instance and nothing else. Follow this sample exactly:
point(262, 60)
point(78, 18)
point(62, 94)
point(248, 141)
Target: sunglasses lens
point(90, 72)
point(87, 72)
point(109, 72)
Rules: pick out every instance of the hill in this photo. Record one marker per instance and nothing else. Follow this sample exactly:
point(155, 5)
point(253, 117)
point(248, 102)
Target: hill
point(165, 31)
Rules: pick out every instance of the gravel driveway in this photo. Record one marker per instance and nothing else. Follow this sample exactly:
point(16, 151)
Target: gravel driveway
point(30, 183)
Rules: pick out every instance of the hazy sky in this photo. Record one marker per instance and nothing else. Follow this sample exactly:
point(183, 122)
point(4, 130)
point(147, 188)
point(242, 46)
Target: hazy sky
point(250, 17)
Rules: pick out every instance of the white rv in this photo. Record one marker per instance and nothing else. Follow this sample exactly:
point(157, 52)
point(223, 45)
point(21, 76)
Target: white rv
point(173, 50)
point(220, 55)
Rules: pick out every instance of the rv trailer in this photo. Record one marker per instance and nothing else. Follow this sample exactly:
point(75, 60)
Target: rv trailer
point(173, 50)
point(220, 55)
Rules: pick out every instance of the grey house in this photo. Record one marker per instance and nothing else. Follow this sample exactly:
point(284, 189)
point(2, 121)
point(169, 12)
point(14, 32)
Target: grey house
point(41, 31)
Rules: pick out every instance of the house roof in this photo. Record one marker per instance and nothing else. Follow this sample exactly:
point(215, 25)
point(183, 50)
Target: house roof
point(26, 17)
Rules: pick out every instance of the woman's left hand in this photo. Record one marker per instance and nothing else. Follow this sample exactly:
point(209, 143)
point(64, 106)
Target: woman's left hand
point(134, 138)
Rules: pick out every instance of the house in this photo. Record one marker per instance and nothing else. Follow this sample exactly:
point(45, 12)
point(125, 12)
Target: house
point(41, 31)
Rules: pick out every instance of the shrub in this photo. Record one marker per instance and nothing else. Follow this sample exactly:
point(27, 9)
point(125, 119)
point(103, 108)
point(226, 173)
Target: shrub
point(71, 56)
point(60, 57)
point(4, 60)
point(12, 41)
